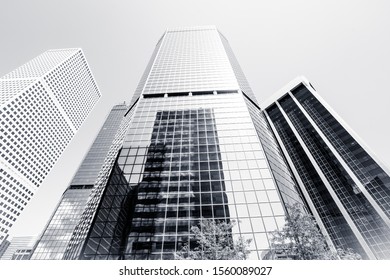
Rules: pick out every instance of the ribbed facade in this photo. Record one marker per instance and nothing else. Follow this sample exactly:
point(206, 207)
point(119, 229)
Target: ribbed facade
point(348, 189)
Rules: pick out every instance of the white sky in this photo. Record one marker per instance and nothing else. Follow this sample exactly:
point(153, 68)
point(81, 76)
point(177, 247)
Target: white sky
point(342, 47)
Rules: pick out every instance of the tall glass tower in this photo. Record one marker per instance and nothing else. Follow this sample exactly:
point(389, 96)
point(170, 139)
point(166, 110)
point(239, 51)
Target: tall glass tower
point(56, 235)
point(197, 148)
point(42, 105)
point(346, 186)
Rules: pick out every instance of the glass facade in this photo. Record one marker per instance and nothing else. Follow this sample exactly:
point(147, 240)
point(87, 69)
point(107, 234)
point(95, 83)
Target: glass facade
point(190, 60)
point(80, 232)
point(55, 237)
point(281, 171)
point(90, 167)
point(179, 165)
point(347, 187)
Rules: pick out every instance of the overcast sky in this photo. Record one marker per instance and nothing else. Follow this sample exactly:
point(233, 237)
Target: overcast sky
point(342, 47)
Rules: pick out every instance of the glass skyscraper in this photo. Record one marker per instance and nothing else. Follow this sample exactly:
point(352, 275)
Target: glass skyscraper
point(347, 188)
point(42, 105)
point(56, 235)
point(197, 147)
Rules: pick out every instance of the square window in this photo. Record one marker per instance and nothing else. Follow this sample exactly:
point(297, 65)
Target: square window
point(254, 210)
point(242, 210)
point(265, 209)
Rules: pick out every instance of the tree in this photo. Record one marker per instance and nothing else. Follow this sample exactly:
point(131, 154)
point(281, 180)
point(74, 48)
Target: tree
point(348, 254)
point(213, 241)
point(301, 239)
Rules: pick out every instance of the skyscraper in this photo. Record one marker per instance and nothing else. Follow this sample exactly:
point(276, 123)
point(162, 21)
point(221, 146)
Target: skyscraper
point(197, 148)
point(56, 235)
point(347, 188)
point(42, 105)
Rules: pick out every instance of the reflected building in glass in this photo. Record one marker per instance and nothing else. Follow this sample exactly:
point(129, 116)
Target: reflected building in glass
point(347, 188)
point(197, 147)
point(57, 233)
